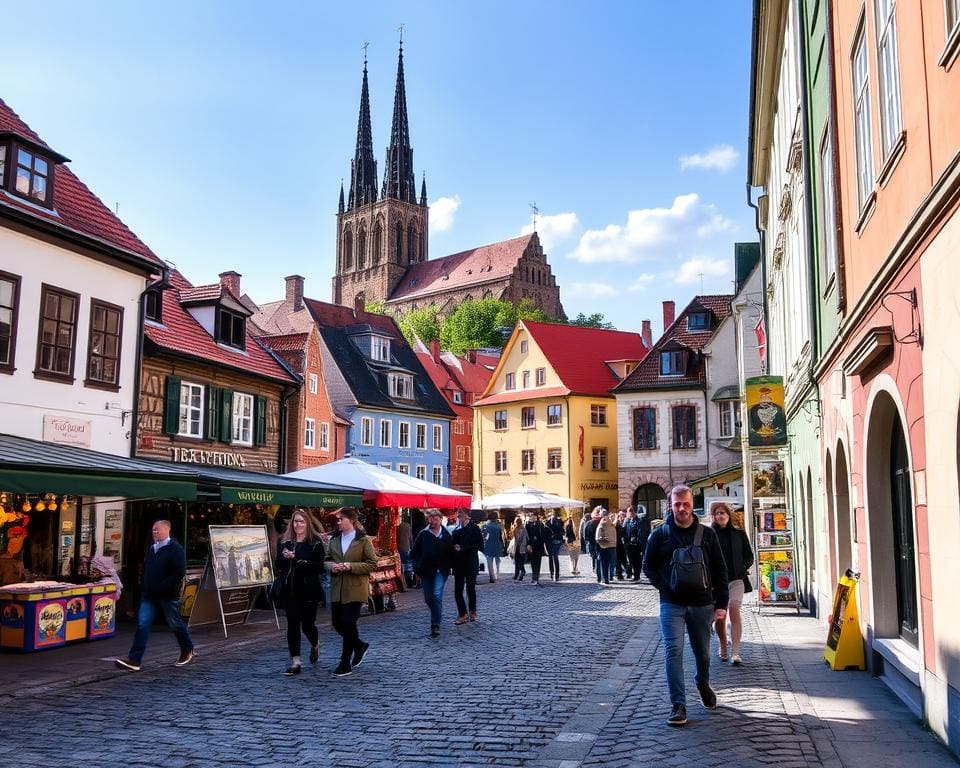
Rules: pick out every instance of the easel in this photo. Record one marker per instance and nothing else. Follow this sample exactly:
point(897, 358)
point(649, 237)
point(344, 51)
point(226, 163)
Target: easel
point(239, 602)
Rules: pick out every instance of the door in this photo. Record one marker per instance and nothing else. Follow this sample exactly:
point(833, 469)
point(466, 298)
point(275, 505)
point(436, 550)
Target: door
point(903, 542)
point(652, 498)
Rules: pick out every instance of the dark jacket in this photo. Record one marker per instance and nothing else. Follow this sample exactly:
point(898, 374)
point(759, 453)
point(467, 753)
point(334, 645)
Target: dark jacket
point(537, 536)
point(737, 553)
point(590, 534)
point(470, 540)
point(658, 556)
point(432, 554)
point(636, 531)
point(583, 534)
point(303, 582)
point(555, 533)
point(163, 572)
point(569, 533)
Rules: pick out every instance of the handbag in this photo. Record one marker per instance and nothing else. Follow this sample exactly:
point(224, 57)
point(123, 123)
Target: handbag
point(512, 547)
point(279, 587)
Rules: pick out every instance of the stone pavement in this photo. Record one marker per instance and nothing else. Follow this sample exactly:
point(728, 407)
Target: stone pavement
point(560, 677)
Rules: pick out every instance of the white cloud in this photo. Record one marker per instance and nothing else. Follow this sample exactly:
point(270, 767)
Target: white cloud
point(441, 213)
point(720, 158)
point(554, 229)
point(690, 271)
point(651, 232)
point(641, 281)
point(593, 290)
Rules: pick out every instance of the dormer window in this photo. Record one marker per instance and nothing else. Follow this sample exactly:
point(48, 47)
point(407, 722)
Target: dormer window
point(152, 305)
point(400, 386)
point(380, 349)
point(673, 363)
point(231, 329)
point(698, 321)
point(457, 396)
point(32, 177)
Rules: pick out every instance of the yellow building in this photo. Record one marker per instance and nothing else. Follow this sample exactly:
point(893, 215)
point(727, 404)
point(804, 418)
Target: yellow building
point(547, 418)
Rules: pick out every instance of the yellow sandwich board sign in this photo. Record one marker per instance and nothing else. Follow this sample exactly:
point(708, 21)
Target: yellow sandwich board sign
point(844, 649)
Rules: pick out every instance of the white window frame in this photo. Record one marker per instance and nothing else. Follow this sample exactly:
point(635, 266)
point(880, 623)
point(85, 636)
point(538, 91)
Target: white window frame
point(541, 376)
point(828, 209)
point(457, 397)
point(400, 385)
point(324, 439)
point(554, 453)
point(500, 462)
point(526, 379)
point(386, 435)
point(532, 411)
point(309, 433)
point(437, 437)
point(559, 421)
point(241, 423)
point(461, 453)
point(496, 420)
point(401, 442)
point(458, 427)
point(510, 382)
point(403, 469)
point(366, 430)
point(313, 383)
point(524, 346)
point(727, 410)
point(861, 116)
point(438, 474)
point(888, 67)
point(528, 460)
point(187, 410)
point(600, 458)
point(380, 349)
point(421, 471)
point(598, 415)
point(421, 437)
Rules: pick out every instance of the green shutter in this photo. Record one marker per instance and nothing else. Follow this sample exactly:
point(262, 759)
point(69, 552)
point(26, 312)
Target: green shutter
point(260, 420)
point(171, 406)
point(211, 428)
point(226, 415)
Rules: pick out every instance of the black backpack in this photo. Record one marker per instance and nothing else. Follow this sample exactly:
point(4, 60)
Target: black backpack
point(688, 567)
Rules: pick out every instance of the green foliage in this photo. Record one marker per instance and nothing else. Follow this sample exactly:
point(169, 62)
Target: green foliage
point(477, 323)
point(595, 320)
point(376, 308)
point(420, 324)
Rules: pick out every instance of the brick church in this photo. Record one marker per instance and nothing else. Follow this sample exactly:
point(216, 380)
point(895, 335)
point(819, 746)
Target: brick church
point(383, 243)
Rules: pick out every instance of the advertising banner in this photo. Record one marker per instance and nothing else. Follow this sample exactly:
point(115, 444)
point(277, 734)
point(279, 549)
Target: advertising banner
point(766, 418)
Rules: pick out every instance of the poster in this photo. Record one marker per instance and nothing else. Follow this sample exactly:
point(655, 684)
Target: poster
point(241, 556)
point(766, 418)
point(777, 583)
point(113, 535)
point(51, 626)
point(767, 478)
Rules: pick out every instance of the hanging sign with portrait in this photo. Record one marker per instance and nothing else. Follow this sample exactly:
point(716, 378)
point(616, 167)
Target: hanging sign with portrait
point(766, 418)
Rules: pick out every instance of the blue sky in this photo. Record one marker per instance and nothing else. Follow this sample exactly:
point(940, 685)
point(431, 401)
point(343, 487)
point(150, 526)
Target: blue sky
point(221, 131)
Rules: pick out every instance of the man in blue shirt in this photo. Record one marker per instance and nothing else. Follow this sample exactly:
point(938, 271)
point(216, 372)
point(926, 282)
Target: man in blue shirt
point(163, 572)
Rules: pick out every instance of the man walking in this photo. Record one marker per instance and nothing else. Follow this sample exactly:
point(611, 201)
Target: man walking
point(432, 552)
point(684, 562)
point(163, 572)
point(537, 536)
point(467, 543)
point(635, 536)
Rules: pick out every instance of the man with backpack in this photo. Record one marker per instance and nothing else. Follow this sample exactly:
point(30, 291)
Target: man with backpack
point(684, 562)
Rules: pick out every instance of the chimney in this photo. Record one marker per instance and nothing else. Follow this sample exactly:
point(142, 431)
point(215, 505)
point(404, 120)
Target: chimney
point(231, 281)
point(472, 356)
point(294, 291)
point(669, 314)
point(359, 302)
point(647, 334)
point(435, 350)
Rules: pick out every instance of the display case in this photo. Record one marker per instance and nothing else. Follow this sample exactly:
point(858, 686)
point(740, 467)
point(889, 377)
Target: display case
point(40, 615)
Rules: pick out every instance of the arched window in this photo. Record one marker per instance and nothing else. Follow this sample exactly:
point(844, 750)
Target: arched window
point(411, 244)
point(362, 248)
point(398, 242)
point(348, 250)
point(377, 243)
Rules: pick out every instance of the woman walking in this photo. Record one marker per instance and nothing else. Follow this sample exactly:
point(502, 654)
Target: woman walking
point(739, 557)
point(300, 561)
point(519, 535)
point(606, 536)
point(573, 546)
point(350, 560)
point(493, 542)
point(555, 531)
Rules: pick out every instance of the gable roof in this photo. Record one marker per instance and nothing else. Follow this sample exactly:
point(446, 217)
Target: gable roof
point(460, 270)
point(455, 372)
point(180, 333)
point(678, 336)
point(75, 208)
point(579, 355)
point(366, 378)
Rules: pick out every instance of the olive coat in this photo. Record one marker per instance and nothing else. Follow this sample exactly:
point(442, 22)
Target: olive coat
point(351, 586)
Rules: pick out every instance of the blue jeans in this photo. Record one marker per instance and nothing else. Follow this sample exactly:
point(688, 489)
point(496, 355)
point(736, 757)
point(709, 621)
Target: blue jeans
point(697, 620)
point(433, 595)
point(606, 563)
point(171, 614)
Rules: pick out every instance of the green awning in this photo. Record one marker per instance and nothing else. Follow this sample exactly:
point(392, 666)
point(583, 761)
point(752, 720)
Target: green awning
point(81, 484)
point(304, 498)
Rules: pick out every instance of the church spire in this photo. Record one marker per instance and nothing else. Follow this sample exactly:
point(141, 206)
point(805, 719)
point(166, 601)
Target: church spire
point(398, 178)
point(423, 191)
point(363, 171)
point(340, 206)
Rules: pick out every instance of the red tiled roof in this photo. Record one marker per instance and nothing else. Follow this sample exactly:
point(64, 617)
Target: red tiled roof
point(182, 334)
point(290, 342)
point(75, 206)
point(647, 374)
point(454, 372)
point(580, 355)
point(459, 270)
point(337, 316)
point(202, 293)
point(516, 395)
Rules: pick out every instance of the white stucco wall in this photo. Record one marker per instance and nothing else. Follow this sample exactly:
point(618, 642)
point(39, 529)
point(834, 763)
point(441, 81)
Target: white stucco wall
point(24, 399)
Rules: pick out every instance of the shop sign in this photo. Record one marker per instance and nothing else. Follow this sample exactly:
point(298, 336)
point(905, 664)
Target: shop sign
point(51, 623)
point(599, 486)
point(306, 498)
point(199, 456)
point(57, 429)
point(103, 621)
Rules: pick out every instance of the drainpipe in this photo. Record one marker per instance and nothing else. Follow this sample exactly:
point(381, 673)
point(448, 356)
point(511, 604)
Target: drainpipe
point(160, 285)
point(285, 395)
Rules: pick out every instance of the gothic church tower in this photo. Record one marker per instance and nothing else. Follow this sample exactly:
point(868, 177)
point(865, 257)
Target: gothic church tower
point(377, 239)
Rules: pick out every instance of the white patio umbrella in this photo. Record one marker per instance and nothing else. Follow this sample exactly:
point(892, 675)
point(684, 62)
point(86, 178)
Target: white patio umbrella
point(525, 497)
point(384, 487)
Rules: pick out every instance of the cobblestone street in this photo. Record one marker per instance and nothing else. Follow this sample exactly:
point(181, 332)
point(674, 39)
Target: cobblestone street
point(563, 676)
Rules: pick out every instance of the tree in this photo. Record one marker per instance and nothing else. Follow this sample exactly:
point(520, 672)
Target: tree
point(595, 320)
point(478, 323)
point(420, 324)
point(376, 308)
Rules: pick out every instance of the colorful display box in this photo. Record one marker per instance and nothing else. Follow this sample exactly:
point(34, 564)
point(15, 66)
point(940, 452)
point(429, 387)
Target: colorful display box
point(42, 615)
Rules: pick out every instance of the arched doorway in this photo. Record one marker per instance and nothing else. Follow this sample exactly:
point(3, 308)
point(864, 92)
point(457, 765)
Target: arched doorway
point(842, 505)
point(652, 498)
point(893, 562)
